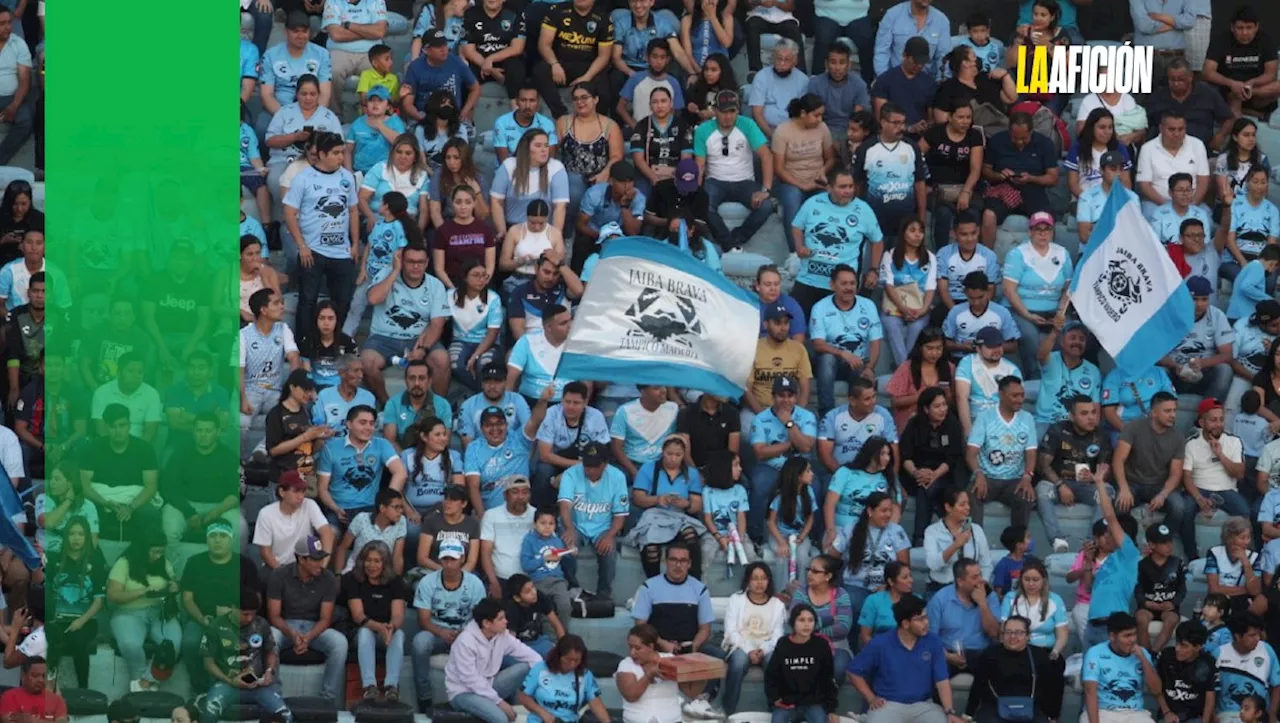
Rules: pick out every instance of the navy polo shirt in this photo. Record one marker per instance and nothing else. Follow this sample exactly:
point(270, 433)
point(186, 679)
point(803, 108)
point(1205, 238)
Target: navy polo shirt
point(894, 672)
point(1036, 159)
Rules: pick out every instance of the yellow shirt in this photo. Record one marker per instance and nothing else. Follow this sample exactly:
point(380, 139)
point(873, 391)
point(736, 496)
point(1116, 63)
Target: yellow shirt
point(120, 573)
point(774, 360)
point(371, 77)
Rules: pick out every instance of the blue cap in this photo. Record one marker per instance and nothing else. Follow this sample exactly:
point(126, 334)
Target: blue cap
point(1200, 286)
point(777, 311)
point(379, 91)
point(990, 337)
point(784, 384)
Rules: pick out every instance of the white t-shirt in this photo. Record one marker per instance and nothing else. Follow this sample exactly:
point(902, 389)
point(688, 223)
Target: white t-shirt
point(1093, 100)
point(1207, 472)
point(660, 702)
point(281, 532)
point(15, 53)
point(506, 531)
point(34, 645)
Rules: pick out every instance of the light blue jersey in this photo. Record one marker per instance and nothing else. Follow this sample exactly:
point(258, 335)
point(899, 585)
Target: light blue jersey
point(1002, 443)
point(491, 463)
point(984, 392)
point(990, 56)
point(400, 412)
point(962, 325)
point(1167, 222)
point(250, 61)
point(562, 694)
point(796, 525)
point(1240, 674)
point(507, 132)
point(425, 484)
point(1134, 394)
point(852, 330)
point(290, 119)
point(653, 479)
point(512, 405)
point(331, 409)
point(449, 608)
point(1089, 207)
point(1058, 385)
point(453, 27)
point(854, 487)
point(835, 235)
point(325, 202)
point(537, 360)
point(889, 173)
point(724, 505)
point(635, 41)
point(371, 145)
point(556, 432)
point(473, 320)
point(600, 206)
point(595, 504)
point(355, 472)
point(249, 151)
point(379, 181)
point(642, 431)
point(408, 309)
point(848, 434)
point(767, 429)
point(882, 547)
point(1252, 225)
point(1040, 279)
point(357, 12)
point(250, 226)
point(384, 241)
point(262, 356)
point(515, 204)
point(954, 264)
point(281, 71)
point(1044, 623)
point(1118, 677)
point(1252, 345)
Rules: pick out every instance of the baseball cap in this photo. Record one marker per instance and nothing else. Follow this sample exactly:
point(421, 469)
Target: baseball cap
point(1111, 159)
point(594, 454)
point(608, 231)
point(435, 39)
point(687, 175)
point(310, 547)
point(1073, 325)
point(218, 527)
point(291, 480)
point(777, 311)
point(1040, 218)
point(493, 371)
point(622, 171)
point(452, 548)
point(297, 19)
point(491, 412)
point(917, 49)
point(990, 337)
point(514, 482)
point(784, 384)
point(301, 379)
point(379, 91)
point(1266, 311)
point(163, 661)
point(727, 100)
point(1200, 286)
point(1207, 405)
point(455, 492)
point(1159, 532)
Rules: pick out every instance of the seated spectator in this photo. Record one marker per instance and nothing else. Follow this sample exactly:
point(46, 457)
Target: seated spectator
point(405, 172)
point(906, 20)
point(1196, 258)
point(552, 286)
point(909, 279)
point(786, 428)
point(891, 175)
point(137, 587)
point(1167, 219)
point(852, 486)
point(100, 350)
point(887, 671)
point(1162, 586)
point(635, 26)
point(1095, 138)
point(1020, 166)
point(925, 367)
point(711, 426)
point(957, 260)
point(1242, 63)
point(563, 675)
point(1065, 373)
point(488, 662)
point(376, 595)
point(79, 574)
point(659, 142)
point(510, 128)
point(129, 391)
point(478, 313)
point(966, 320)
point(802, 683)
point(1240, 672)
point(978, 376)
point(724, 506)
point(1016, 670)
point(347, 472)
point(208, 584)
point(669, 491)
point(1214, 462)
point(1209, 118)
point(283, 524)
point(574, 45)
point(1252, 223)
point(639, 86)
point(50, 411)
point(373, 133)
point(440, 125)
point(954, 151)
point(407, 289)
point(932, 454)
point(846, 331)
point(842, 94)
point(803, 156)
point(530, 615)
point(1129, 120)
point(1169, 153)
point(195, 489)
point(768, 288)
point(877, 612)
point(417, 403)
point(753, 626)
point(823, 592)
point(594, 503)
point(1036, 283)
point(1128, 397)
point(646, 695)
point(588, 154)
point(564, 433)
point(1231, 168)
point(773, 88)
point(678, 605)
point(791, 515)
point(242, 655)
point(379, 74)
point(449, 522)
point(618, 201)
point(974, 80)
point(843, 431)
point(437, 69)
point(726, 150)
point(1149, 458)
point(511, 197)
point(1234, 569)
point(1002, 452)
point(1109, 667)
point(493, 42)
point(954, 534)
point(62, 501)
point(292, 126)
point(445, 600)
point(32, 698)
point(541, 553)
point(385, 524)
point(640, 428)
point(1071, 453)
point(283, 65)
point(1046, 617)
point(1043, 29)
point(778, 343)
point(1253, 342)
point(196, 395)
point(1188, 674)
point(503, 453)
point(493, 393)
point(868, 552)
point(332, 404)
point(300, 607)
point(716, 75)
point(1091, 202)
point(118, 472)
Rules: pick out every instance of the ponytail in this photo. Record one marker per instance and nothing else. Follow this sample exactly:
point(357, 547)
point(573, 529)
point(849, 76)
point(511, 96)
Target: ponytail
point(807, 103)
point(398, 205)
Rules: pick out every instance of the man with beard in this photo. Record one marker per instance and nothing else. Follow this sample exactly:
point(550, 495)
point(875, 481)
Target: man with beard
point(197, 485)
point(777, 356)
point(569, 427)
point(493, 393)
point(1002, 453)
point(509, 128)
point(1071, 453)
point(978, 377)
point(1064, 374)
point(1201, 363)
point(773, 88)
point(208, 587)
point(1188, 675)
point(300, 602)
point(1213, 461)
point(501, 453)
point(416, 402)
point(411, 308)
point(502, 533)
point(349, 471)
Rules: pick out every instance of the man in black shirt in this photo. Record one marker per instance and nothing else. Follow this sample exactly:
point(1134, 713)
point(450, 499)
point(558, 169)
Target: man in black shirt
point(1162, 585)
point(574, 44)
point(711, 425)
point(119, 474)
point(1242, 61)
point(210, 586)
point(1188, 675)
point(26, 338)
point(200, 483)
point(676, 199)
point(1071, 455)
point(493, 42)
point(1208, 116)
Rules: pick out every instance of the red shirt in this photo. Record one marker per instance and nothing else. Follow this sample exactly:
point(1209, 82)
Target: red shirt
point(46, 705)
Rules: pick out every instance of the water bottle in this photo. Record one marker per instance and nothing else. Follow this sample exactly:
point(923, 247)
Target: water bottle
point(1199, 606)
point(399, 361)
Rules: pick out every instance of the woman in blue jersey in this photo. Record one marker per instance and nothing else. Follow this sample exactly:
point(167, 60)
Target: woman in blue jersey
point(429, 466)
point(875, 541)
point(441, 125)
point(1252, 223)
point(669, 491)
point(707, 31)
point(877, 610)
point(293, 125)
point(791, 515)
point(321, 351)
point(404, 171)
point(910, 278)
point(1037, 274)
point(853, 484)
point(477, 323)
point(1231, 168)
point(555, 691)
point(395, 230)
point(443, 15)
point(1032, 599)
point(530, 174)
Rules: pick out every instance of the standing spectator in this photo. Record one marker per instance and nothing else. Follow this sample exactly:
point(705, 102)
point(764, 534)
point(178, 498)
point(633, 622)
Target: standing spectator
point(907, 20)
point(842, 93)
point(445, 600)
point(846, 337)
point(300, 604)
point(799, 678)
point(830, 231)
point(773, 89)
point(1242, 62)
point(890, 171)
point(283, 524)
point(594, 503)
point(487, 665)
point(753, 626)
point(1162, 26)
point(353, 28)
point(1071, 453)
point(726, 148)
point(777, 19)
point(1020, 165)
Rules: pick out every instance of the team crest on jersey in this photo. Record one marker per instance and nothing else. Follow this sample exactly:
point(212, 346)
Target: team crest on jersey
point(1022, 437)
point(591, 26)
point(312, 66)
point(255, 641)
point(864, 322)
point(346, 183)
point(1092, 450)
point(506, 454)
point(505, 24)
point(852, 221)
point(1084, 383)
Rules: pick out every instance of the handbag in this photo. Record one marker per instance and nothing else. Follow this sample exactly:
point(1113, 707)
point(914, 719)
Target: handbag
point(1017, 708)
point(911, 295)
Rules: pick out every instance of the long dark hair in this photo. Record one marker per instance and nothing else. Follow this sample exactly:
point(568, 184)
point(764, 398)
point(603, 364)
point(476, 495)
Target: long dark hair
point(1084, 151)
point(727, 82)
point(420, 429)
point(900, 248)
point(398, 205)
point(746, 577)
point(568, 644)
point(1032, 563)
point(698, 18)
point(718, 471)
point(440, 106)
point(34, 218)
point(869, 452)
point(469, 264)
point(790, 490)
point(138, 556)
point(916, 359)
point(858, 540)
point(659, 467)
point(66, 562)
point(466, 171)
point(807, 103)
point(1232, 152)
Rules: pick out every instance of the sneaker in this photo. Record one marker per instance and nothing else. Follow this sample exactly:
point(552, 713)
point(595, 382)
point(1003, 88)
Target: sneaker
point(370, 692)
point(140, 686)
point(391, 694)
point(1060, 545)
point(698, 708)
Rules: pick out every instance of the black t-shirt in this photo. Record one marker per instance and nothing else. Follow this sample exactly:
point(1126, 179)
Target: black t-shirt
point(1242, 62)
point(1162, 583)
point(438, 528)
point(26, 341)
point(578, 37)
point(491, 35)
point(215, 585)
point(324, 358)
point(952, 93)
point(194, 477)
point(377, 599)
point(708, 433)
point(1185, 684)
point(948, 160)
point(283, 425)
point(52, 419)
point(119, 469)
point(666, 202)
point(1069, 449)
point(526, 622)
point(662, 147)
point(176, 302)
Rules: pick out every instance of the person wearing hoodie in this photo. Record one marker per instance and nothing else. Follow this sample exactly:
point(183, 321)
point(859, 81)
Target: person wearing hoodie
point(475, 679)
point(753, 623)
point(799, 678)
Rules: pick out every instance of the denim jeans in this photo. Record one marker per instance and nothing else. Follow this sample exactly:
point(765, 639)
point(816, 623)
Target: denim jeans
point(606, 566)
point(192, 637)
point(505, 683)
point(808, 714)
point(19, 130)
point(133, 627)
point(1002, 491)
point(901, 335)
point(460, 352)
point(543, 494)
point(1180, 515)
point(829, 369)
point(790, 198)
point(861, 33)
point(1215, 383)
point(425, 644)
point(262, 22)
point(332, 645)
point(222, 697)
point(368, 643)
point(1047, 502)
point(736, 669)
point(857, 598)
point(719, 192)
point(760, 491)
point(1028, 347)
point(339, 274)
point(1229, 501)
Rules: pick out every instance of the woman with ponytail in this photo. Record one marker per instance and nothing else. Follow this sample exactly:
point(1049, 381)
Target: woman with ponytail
point(876, 540)
point(395, 231)
point(803, 152)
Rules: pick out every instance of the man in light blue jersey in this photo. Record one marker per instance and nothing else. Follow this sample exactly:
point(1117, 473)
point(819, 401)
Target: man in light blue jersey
point(1065, 373)
point(415, 403)
point(843, 431)
point(1248, 666)
point(1115, 672)
point(283, 64)
point(250, 58)
point(508, 129)
point(1002, 453)
point(569, 427)
point(353, 27)
point(501, 452)
point(1167, 218)
point(265, 347)
point(594, 503)
point(410, 310)
point(1201, 363)
point(1089, 207)
point(958, 259)
point(640, 426)
point(783, 430)
point(535, 357)
point(978, 377)
point(726, 148)
point(964, 321)
point(846, 336)
point(493, 393)
point(833, 229)
point(349, 471)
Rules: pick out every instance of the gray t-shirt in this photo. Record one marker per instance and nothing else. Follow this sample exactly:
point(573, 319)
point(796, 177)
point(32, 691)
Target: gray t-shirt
point(439, 529)
point(301, 600)
point(1150, 453)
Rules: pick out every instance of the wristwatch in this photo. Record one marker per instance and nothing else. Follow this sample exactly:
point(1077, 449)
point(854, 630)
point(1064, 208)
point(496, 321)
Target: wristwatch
point(789, 425)
point(346, 24)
